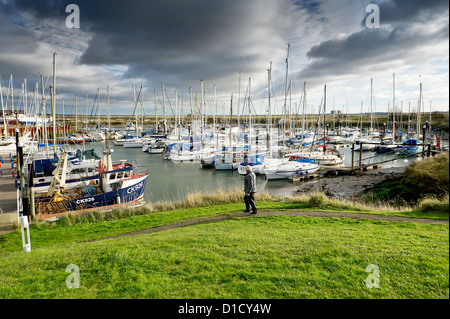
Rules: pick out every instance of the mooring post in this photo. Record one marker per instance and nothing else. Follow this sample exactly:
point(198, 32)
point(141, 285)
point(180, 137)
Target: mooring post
point(353, 155)
point(360, 154)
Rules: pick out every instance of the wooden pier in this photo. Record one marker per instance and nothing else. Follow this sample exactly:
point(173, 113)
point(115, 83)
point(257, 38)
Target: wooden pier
point(331, 171)
point(8, 198)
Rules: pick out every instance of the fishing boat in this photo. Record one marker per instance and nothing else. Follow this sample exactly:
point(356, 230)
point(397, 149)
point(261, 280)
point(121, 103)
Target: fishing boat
point(79, 172)
point(115, 187)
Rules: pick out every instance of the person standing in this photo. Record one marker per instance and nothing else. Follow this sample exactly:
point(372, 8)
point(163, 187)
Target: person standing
point(250, 190)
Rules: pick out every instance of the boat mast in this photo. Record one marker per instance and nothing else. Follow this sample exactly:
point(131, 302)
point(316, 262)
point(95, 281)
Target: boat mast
point(98, 110)
point(11, 85)
point(239, 102)
point(393, 106)
point(141, 93)
point(269, 120)
point(44, 112)
point(156, 113)
point(231, 121)
point(201, 113)
point(215, 111)
point(409, 118)
point(164, 108)
point(85, 124)
point(249, 112)
point(53, 102)
point(36, 88)
point(418, 111)
point(135, 111)
point(371, 105)
point(109, 110)
point(429, 121)
point(76, 114)
point(324, 112)
point(285, 97)
point(303, 111)
point(53, 120)
point(176, 113)
point(63, 119)
point(5, 130)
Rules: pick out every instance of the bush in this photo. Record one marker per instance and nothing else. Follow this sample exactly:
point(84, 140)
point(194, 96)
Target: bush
point(316, 200)
point(433, 205)
point(430, 176)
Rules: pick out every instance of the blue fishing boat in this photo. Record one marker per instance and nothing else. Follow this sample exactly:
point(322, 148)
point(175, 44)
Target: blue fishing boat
point(116, 186)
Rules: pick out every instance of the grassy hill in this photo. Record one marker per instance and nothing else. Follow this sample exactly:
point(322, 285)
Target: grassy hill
point(274, 256)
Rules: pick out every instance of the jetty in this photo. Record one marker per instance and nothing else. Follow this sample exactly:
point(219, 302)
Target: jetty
point(8, 200)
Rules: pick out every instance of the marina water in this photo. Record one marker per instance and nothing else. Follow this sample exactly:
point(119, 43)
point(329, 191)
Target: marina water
point(172, 182)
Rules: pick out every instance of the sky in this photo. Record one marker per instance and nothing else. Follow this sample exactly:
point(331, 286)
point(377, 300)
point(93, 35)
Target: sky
point(226, 47)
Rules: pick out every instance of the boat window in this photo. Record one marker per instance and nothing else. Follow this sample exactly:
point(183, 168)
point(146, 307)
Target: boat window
point(119, 175)
point(113, 176)
point(127, 174)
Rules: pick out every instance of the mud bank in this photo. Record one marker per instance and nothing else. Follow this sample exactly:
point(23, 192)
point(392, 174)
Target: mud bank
point(342, 186)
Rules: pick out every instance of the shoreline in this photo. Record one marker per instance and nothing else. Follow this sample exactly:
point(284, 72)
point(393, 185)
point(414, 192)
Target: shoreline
point(342, 187)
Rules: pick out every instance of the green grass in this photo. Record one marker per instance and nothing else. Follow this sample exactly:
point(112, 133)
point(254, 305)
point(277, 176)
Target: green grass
point(94, 225)
point(259, 257)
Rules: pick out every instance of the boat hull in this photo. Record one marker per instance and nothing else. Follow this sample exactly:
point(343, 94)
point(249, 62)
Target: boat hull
point(132, 190)
point(225, 166)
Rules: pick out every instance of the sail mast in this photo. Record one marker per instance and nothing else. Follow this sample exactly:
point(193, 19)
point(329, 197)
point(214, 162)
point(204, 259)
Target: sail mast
point(269, 120)
point(109, 110)
point(5, 131)
point(393, 106)
point(53, 102)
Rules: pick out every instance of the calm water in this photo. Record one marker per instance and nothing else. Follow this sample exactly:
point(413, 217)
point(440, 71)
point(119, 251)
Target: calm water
point(169, 181)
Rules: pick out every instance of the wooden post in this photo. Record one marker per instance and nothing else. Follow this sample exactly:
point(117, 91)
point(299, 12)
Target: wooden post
point(31, 185)
point(353, 155)
point(360, 154)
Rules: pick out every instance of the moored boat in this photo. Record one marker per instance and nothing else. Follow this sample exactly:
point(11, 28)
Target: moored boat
point(114, 187)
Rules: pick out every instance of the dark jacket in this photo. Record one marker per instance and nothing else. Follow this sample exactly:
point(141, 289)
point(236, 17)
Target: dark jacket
point(250, 183)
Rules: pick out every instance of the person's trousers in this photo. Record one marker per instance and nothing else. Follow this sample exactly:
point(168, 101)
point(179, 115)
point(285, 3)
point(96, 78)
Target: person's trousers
point(250, 202)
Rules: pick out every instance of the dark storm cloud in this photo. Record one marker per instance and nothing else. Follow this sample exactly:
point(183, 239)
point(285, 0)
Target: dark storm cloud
point(397, 11)
point(402, 36)
point(200, 37)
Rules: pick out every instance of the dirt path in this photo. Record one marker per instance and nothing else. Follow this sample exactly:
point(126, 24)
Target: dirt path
point(271, 213)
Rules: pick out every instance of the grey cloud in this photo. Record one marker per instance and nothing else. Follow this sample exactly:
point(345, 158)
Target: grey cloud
point(400, 11)
point(371, 49)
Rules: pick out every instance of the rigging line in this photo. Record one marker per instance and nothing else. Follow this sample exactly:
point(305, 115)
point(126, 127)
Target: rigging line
point(317, 127)
point(93, 105)
point(168, 100)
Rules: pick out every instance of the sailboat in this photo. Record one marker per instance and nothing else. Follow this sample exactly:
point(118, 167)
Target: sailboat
point(228, 158)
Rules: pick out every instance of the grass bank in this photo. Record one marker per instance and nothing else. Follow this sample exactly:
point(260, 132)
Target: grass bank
point(257, 257)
